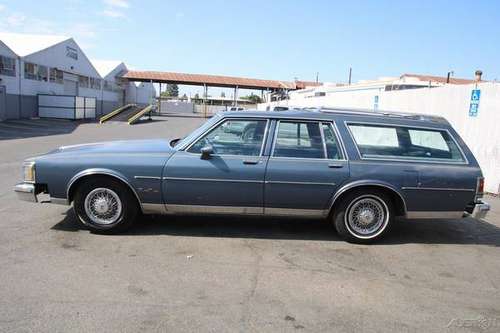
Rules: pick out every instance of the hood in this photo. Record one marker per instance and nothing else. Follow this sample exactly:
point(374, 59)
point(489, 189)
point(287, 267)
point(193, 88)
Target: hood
point(117, 147)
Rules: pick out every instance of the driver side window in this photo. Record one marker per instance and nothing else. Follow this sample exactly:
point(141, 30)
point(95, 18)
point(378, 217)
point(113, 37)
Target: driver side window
point(234, 137)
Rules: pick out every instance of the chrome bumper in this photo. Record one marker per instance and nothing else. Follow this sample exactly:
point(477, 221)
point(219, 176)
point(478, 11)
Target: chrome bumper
point(481, 209)
point(26, 192)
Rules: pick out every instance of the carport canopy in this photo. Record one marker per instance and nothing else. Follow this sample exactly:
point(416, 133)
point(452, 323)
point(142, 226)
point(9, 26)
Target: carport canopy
point(209, 80)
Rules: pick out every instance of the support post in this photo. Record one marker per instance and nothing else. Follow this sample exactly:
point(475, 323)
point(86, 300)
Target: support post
point(236, 96)
point(159, 100)
point(205, 93)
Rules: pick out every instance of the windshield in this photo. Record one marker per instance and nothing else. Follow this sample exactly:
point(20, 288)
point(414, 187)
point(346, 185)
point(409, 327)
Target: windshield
point(194, 134)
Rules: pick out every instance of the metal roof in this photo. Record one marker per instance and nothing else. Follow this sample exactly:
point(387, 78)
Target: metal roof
point(210, 80)
point(104, 67)
point(26, 44)
point(439, 79)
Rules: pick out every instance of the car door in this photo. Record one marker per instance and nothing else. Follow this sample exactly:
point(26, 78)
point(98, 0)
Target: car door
point(306, 166)
point(228, 180)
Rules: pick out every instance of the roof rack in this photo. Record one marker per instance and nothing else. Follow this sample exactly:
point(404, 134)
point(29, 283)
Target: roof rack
point(381, 113)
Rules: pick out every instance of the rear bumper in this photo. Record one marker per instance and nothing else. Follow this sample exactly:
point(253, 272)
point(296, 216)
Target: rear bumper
point(481, 209)
point(26, 192)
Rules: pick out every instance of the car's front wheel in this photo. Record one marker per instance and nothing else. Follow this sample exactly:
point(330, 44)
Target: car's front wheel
point(363, 216)
point(105, 205)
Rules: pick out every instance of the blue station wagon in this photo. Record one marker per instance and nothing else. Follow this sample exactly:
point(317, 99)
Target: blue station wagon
point(358, 169)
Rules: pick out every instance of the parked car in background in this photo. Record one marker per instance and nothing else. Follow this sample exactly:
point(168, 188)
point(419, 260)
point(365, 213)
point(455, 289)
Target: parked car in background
point(359, 170)
point(235, 108)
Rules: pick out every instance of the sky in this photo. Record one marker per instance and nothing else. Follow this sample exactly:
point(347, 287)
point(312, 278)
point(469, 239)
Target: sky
point(280, 40)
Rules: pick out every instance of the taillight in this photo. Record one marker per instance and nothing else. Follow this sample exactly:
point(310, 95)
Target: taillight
point(479, 187)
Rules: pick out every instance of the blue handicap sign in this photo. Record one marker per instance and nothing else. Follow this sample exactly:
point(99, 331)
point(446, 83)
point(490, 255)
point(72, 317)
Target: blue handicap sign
point(474, 102)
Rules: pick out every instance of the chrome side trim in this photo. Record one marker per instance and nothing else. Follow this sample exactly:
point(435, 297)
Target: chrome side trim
point(434, 215)
point(150, 208)
point(147, 177)
point(298, 183)
point(365, 183)
point(59, 201)
point(437, 188)
point(216, 180)
point(199, 209)
point(105, 172)
point(295, 212)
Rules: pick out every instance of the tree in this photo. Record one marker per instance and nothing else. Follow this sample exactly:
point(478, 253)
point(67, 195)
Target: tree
point(173, 90)
point(196, 96)
point(223, 94)
point(253, 98)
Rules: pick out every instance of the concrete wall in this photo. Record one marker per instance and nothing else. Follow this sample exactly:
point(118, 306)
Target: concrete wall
point(481, 133)
point(177, 107)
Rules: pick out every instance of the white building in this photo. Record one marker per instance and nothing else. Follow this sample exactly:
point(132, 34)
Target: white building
point(55, 65)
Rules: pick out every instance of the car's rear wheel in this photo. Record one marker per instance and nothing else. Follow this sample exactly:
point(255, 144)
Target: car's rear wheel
point(363, 216)
point(105, 205)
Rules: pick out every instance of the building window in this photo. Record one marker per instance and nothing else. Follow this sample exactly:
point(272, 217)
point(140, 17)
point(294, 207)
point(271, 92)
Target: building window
point(56, 75)
point(7, 66)
point(95, 83)
point(83, 81)
point(35, 72)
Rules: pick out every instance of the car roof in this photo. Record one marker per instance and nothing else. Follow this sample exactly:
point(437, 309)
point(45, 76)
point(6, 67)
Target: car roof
point(330, 113)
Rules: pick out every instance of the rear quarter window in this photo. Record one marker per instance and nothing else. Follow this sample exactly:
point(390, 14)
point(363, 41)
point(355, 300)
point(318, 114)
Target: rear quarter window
point(407, 143)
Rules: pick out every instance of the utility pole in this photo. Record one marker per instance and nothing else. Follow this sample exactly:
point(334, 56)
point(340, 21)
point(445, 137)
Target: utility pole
point(448, 76)
point(317, 77)
point(350, 75)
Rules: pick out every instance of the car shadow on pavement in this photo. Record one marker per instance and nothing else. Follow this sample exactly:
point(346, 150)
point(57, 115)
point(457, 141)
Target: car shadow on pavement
point(463, 231)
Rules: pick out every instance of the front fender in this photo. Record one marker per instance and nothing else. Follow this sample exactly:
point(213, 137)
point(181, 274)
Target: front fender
point(99, 171)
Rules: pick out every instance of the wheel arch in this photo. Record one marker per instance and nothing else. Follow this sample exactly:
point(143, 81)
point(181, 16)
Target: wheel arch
point(89, 173)
point(399, 202)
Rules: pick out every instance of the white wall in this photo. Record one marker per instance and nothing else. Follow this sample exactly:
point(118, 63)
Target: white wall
point(10, 82)
point(481, 133)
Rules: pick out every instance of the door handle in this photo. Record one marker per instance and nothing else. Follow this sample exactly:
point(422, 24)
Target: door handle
point(251, 161)
point(335, 165)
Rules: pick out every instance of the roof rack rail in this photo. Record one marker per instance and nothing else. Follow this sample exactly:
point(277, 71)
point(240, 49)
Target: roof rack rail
point(381, 113)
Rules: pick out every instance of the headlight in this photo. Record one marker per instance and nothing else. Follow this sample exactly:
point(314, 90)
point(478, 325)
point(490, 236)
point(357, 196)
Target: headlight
point(29, 172)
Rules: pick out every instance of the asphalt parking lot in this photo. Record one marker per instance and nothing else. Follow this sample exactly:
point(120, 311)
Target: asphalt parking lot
point(230, 274)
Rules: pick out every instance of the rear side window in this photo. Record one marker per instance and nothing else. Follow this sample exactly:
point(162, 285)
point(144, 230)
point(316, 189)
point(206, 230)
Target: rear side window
point(399, 142)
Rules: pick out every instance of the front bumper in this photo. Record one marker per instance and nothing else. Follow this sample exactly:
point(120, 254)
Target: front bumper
point(481, 209)
point(26, 192)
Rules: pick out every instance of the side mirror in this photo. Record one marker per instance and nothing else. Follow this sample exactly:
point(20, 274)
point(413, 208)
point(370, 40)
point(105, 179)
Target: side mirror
point(206, 152)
